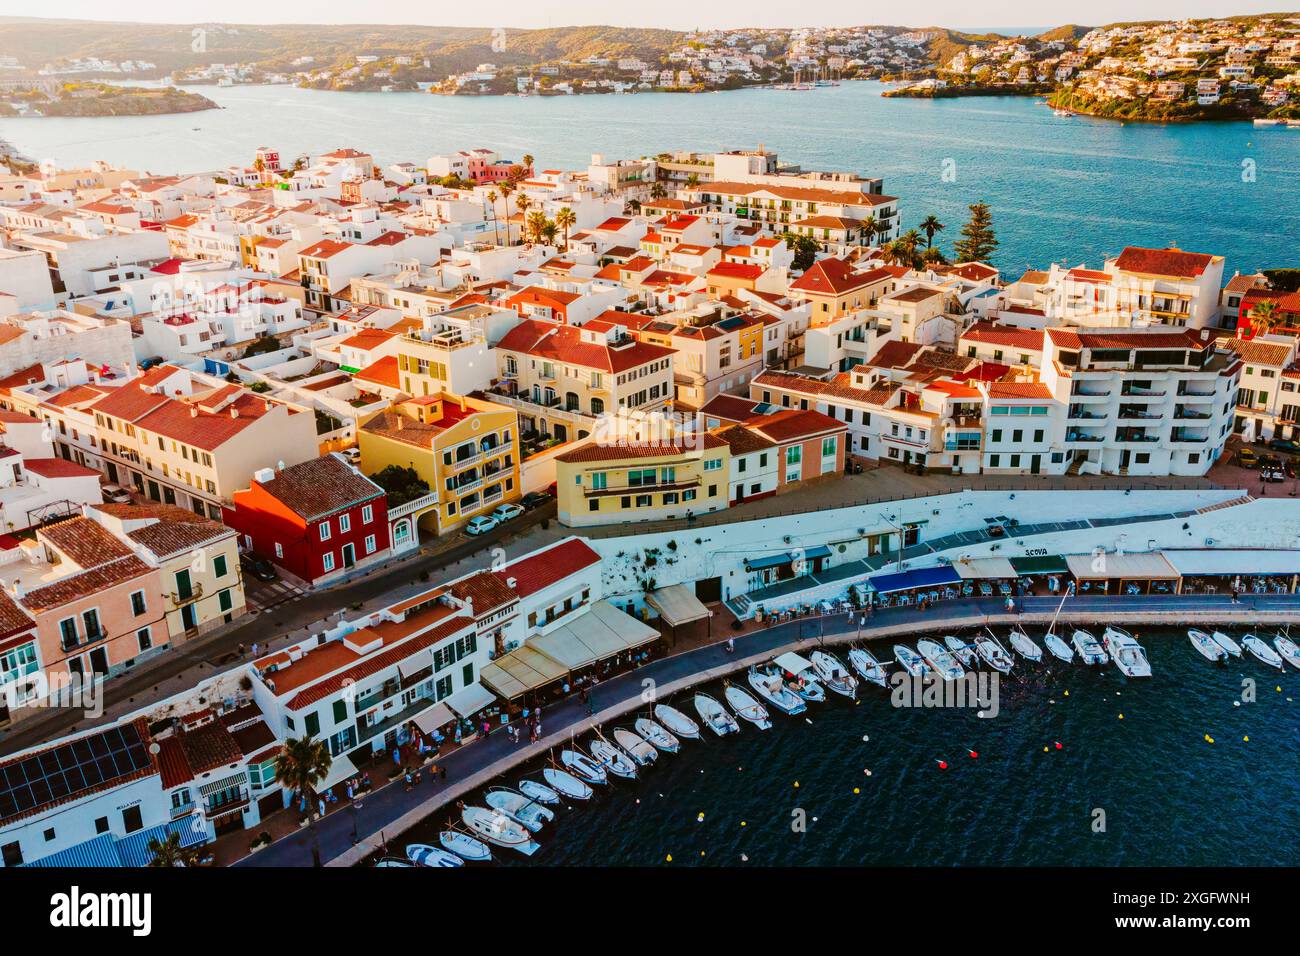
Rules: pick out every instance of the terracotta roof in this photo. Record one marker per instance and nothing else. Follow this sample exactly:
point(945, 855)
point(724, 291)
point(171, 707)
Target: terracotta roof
point(320, 486)
point(538, 571)
point(484, 590)
point(1100, 339)
point(737, 270)
point(894, 354)
point(595, 451)
point(209, 747)
point(367, 339)
point(832, 389)
point(1018, 390)
point(563, 343)
point(833, 197)
point(382, 372)
point(743, 441)
point(1163, 262)
point(13, 619)
point(85, 583)
point(1008, 335)
point(974, 271)
point(58, 468)
point(1260, 352)
point(837, 277)
point(795, 424)
point(85, 542)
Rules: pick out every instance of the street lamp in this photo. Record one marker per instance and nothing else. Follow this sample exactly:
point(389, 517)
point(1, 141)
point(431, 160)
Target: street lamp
point(887, 521)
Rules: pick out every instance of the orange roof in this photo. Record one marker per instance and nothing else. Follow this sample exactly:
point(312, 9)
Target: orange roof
point(1163, 262)
point(836, 277)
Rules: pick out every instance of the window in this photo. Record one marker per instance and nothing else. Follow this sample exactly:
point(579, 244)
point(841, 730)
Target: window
point(101, 824)
point(219, 566)
point(132, 820)
point(12, 853)
point(327, 560)
point(794, 454)
point(224, 600)
point(644, 501)
point(367, 514)
point(340, 711)
point(311, 723)
point(144, 639)
point(713, 464)
point(598, 480)
point(325, 531)
point(829, 446)
point(345, 523)
point(184, 586)
point(370, 544)
point(467, 672)
point(279, 551)
point(138, 606)
point(48, 834)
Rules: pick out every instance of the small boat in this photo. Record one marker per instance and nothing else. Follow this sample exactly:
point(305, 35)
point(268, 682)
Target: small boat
point(964, 653)
point(613, 759)
point(677, 722)
point(940, 659)
point(773, 690)
point(1206, 646)
point(1287, 648)
point(496, 827)
point(642, 751)
point(519, 808)
point(1024, 645)
point(1263, 653)
point(421, 854)
point(539, 792)
point(661, 738)
point(747, 707)
point(912, 662)
point(1089, 648)
point(804, 676)
point(583, 767)
point(1227, 643)
point(392, 861)
point(567, 784)
point(715, 716)
point(1058, 648)
point(834, 674)
point(464, 846)
point(868, 668)
point(994, 654)
point(1126, 652)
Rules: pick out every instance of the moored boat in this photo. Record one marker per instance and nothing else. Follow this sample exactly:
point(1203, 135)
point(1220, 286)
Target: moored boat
point(677, 722)
point(1058, 648)
point(911, 661)
point(539, 792)
point(583, 767)
point(747, 707)
point(613, 759)
point(421, 854)
point(657, 735)
point(1227, 643)
point(567, 784)
point(940, 659)
point(803, 676)
point(715, 716)
point(465, 846)
point(637, 746)
point(497, 828)
point(1024, 645)
point(1126, 652)
point(1262, 652)
point(1089, 648)
point(519, 808)
point(1287, 648)
point(834, 674)
point(868, 668)
point(964, 652)
point(993, 653)
point(1206, 646)
point(773, 690)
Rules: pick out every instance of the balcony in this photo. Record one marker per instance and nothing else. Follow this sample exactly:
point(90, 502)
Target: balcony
point(641, 489)
point(965, 420)
point(1197, 390)
point(410, 507)
point(1183, 435)
point(1141, 391)
point(1182, 411)
point(1137, 411)
point(1082, 412)
point(183, 810)
point(1078, 436)
point(92, 636)
point(1080, 393)
point(1131, 435)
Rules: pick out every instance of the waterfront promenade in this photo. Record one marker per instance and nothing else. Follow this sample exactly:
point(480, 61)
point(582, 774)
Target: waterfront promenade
point(348, 836)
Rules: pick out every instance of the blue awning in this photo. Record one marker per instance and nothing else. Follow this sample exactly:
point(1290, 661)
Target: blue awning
point(821, 551)
point(99, 852)
point(920, 578)
point(768, 561)
point(134, 850)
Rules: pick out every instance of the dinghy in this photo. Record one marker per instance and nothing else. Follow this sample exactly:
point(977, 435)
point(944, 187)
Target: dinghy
point(677, 722)
point(464, 846)
point(939, 658)
point(715, 716)
point(661, 738)
point(1227, 643)
point(773, 690)
point(911, 661)
point(613, 759)
point(1287, 648)
point(804, 682)
point(1024, 645)
point(539, 792)
point(642, 752)
point(1089, 648)
point(392, 861)
point(1206, 646)
point(1058, 648)
point(834, 674)
point(868, 668)
point(519, 808)
point(964, 653)
point(1126, 652)
point(567, 784)
point(583, 767)
point(993, 653)
point(421, 854)
point(1263, 653)
point(747, 707)
point(497, 828)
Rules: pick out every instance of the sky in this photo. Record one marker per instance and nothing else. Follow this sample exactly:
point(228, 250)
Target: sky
point(671, 14)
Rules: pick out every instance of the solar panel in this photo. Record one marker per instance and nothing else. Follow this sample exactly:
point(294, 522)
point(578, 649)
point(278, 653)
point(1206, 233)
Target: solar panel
point(69, 769)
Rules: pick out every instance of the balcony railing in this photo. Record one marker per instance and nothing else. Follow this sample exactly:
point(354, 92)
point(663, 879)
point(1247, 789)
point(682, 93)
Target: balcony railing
point(410, 507)
point(1184, 412)
point(1188, 392)
point(91, 636)
point(1079, 411)
point(1141, 391)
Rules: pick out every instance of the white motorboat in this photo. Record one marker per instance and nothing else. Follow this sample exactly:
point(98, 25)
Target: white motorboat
point(583, 767)
point(1058, 648)
point(834, 674)
point(539, 792)
point(567, 784)
point(911, 661)
point(964, 652)
point(1126, 652)
point(940, 659)
point(746, 707)
point(715, 716)
point(421, 854)
point(677, 722)
point(1287, 648)
point(497, 828)
point(640, 749)
point(613, 759)
point(657, 735)
point(1263, 653)
point(1227, 643)
point(1024, 645)
point(519, 808)
point(773, 690)
point(868, 668)
point(993, 653)
point(1089, 648)
point(1206, 646)
point(465, 846)
point(803, 676)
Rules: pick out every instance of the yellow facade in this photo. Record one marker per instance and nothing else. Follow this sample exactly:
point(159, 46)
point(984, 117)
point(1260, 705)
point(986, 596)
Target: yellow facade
point(203, 588)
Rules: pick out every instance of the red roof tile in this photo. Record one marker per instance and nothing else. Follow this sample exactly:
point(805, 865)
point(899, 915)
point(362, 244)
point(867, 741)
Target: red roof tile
point(536, 572)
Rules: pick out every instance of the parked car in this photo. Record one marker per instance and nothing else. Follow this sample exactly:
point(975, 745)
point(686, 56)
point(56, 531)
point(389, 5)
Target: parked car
point(258, 567)
point(534, 499)
point(506, 512)
point(116, 494)
point(1285, 445)
point(1247, 458)
point(353, 455)
point(1272, 473)
point(480, 525)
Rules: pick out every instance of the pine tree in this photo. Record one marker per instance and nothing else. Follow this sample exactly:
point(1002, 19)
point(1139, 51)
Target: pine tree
point(978, 243)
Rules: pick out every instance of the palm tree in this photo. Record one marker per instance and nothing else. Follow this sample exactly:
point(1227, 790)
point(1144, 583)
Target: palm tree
point(507, 188)
point(299, 766)
point(536, 222)
point(657, 191)
point(930, 225)
point(1263, 316)
point(169, 852)
point(692, 180)
point(492, 201)
point(528, 162)
point(566, 219)
point(868, 226)
point(549, 232)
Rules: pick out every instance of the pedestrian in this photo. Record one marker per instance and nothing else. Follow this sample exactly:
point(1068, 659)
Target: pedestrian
point(731, 645)
point(255, 649)
point(532, 733)
point(397, 756)
point(322, 806)
point(408, 781)
point(241, 650)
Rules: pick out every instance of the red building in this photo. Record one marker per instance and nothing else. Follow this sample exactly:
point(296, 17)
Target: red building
point(317, 520)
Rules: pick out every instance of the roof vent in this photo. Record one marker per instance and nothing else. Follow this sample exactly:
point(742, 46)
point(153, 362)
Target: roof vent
point(263, 475)
point(512, 583)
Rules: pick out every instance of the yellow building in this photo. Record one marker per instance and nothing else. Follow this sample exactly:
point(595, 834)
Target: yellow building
point(626, 481)
point(465, 449)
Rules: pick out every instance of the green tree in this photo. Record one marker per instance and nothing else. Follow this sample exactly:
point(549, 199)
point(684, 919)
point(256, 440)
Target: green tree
point(805, 250)
point(507, 188)
point(1263, 316)
point(930, 225)
point(169, 852)
point(401, 484)
point(492, 203)
point(978, 242)
point(299, 766)
point(536, 224)
point(657, 191)
point(566, 219)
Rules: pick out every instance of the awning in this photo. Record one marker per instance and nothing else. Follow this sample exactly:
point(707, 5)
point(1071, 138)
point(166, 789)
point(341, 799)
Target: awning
point(1146, 566)
point(920, 578)
point(134, 850)
point(523, 669)
point(415, 664)
point(341, 767)
point(1043, 564)
point(99, 852)
point(600, 633)
point(1232, 563)
point(792, 662)
point(434, 717)
point(225, 783)
point(820, 551)
point(768, 561)
point(980, 568)
point(470, 700)
point(677, 604)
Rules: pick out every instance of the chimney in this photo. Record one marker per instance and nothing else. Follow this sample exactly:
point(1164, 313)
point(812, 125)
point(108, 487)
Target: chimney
point(462, 402)
point(512, 583)
point(234, 412)
point(194, 412)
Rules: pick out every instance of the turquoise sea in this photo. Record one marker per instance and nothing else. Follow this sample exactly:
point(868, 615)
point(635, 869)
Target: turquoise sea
point(1072, 189)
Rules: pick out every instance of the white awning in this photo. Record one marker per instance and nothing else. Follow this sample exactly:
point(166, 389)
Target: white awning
point(677, 604)
point(601, 632)
point(1142, 566)
point(983, 568)
point(1233, 562)
point(470, 700)
point(523, 669)
point(433, 718)
point(340, 769)
point(792, 662)
point(415, 663)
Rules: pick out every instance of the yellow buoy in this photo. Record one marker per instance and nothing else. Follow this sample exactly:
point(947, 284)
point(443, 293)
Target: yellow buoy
point(1246, 739)
point(743, 823)
point(700, 818)
point(1067, 693)
point(1121, 716)
point(796, 783)
point(670, 857)
point(856, 790)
